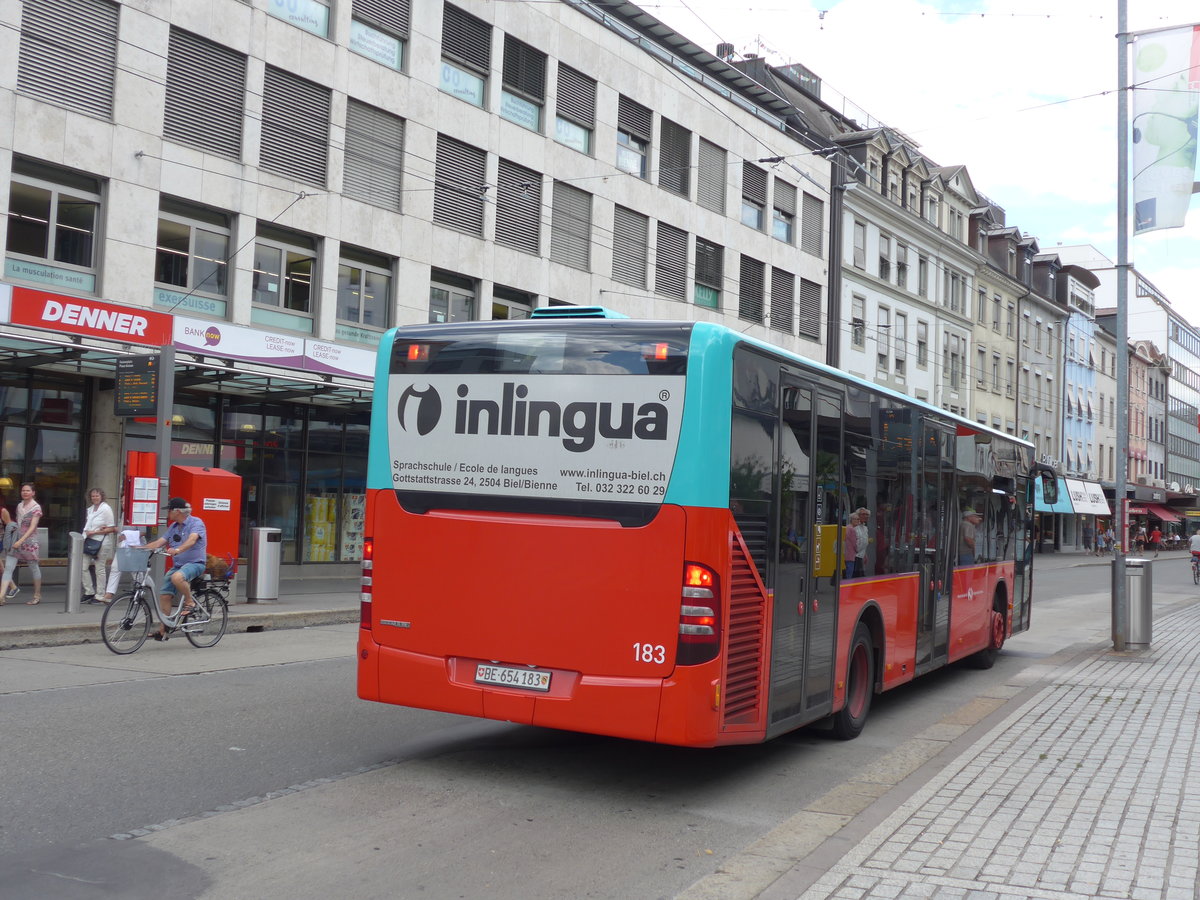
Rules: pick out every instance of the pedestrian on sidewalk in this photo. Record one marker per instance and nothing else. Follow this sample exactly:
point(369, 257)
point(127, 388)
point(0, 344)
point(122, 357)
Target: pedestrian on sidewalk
point(1087, 537)
point(6, 542)
point(100, 525)
point(24, 548)
point(1156, 540)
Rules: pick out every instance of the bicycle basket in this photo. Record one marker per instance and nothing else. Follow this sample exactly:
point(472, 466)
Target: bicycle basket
point(132, 559)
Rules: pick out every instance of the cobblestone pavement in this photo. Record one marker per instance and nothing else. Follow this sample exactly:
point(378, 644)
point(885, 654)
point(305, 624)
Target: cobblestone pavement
point(1090, 789)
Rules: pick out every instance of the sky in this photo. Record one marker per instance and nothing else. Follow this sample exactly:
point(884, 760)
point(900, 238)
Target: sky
point(1021, 92)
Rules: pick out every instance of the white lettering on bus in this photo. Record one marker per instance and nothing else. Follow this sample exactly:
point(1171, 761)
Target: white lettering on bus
point(92, 317)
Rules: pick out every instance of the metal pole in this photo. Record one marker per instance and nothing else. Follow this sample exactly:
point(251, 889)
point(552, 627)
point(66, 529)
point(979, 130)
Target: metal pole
point(162, 437)
point(1120, 594)
point(74, 572)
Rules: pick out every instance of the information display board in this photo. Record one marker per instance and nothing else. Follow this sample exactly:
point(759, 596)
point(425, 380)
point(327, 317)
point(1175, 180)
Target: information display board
point(136, 388)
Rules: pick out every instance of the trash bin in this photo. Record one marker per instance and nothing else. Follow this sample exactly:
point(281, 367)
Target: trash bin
point(1139, 592)
point(266, 551)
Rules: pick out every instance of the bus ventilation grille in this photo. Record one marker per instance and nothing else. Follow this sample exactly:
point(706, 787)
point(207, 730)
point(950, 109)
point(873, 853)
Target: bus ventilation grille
point(576, 312)
point(744, 653)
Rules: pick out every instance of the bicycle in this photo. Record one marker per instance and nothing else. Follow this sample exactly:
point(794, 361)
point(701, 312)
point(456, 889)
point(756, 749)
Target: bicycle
point(125, 624)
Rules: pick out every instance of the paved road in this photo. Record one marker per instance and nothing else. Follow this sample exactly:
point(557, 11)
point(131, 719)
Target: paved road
point(400, 802)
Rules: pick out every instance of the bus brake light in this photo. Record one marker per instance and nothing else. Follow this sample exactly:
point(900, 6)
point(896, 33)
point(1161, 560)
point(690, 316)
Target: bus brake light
point(699, 620)
point(418, 352)
point(365, 591)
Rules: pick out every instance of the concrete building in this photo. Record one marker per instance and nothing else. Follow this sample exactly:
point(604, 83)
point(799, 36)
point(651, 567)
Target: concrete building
point(265, 187)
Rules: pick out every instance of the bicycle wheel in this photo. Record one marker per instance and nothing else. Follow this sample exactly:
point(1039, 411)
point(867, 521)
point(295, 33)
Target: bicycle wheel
point(125, 623)
point(207, 633)
point(1195, 573)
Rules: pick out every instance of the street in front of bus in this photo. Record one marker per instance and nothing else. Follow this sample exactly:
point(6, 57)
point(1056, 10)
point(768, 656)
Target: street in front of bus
point(249, 770)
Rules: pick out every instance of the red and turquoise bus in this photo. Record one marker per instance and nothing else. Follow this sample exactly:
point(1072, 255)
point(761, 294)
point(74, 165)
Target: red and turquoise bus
point(643, 529)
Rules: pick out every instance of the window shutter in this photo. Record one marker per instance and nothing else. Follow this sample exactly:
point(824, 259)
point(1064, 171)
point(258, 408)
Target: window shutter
point(634, 118)
point(783, 290)
point(518, 207)
point(69, 53)
point(524, 68)
point(458, 188)
point(295, 127)
point(711, 177)
point(467, 38)
point(785, 197)
point(389, 15)
point(675, 159)
point(576, 96)
point(754, 183)
point(809, 320)
point(710, 263)
point(631, 235)
point(571, 226)
point(206, 87)
point(670, 268)
point(811, 224)
point(750, 291)
point(374, 156)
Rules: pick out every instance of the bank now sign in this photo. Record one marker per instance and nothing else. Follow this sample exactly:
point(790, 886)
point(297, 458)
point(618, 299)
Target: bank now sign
point(95, 318)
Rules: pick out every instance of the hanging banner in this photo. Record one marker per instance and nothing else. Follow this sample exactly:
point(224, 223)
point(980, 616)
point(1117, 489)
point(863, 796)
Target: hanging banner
point(1166, 106)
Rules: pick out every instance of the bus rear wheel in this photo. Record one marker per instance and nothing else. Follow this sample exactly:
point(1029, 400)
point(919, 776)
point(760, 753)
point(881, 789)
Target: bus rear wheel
point(986, 658)
point(848, 722)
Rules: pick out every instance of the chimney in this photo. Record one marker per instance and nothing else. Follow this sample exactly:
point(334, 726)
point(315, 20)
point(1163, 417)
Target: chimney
point(725, 51)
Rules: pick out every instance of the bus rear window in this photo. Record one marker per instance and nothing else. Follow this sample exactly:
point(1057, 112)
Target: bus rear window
point(534, 350)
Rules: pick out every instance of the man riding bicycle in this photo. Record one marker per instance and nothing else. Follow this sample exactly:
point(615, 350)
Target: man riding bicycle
point(186, 541)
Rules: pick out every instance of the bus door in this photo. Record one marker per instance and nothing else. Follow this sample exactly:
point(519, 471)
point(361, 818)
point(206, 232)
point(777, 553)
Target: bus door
point(935, 542)
point(809, 565)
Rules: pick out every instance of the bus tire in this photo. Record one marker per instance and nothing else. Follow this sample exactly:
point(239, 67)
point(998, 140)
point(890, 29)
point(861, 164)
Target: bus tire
point(848, 721)
point(986, 658)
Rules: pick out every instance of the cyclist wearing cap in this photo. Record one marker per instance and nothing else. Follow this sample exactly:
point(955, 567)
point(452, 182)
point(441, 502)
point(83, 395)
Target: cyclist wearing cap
point(187, 544)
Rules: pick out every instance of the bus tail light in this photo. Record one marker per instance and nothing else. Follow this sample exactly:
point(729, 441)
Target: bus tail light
point(699, 616)
point(364, 596)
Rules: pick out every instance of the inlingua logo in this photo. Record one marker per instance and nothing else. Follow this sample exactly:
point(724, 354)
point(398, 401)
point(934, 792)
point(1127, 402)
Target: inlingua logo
point(426, 412)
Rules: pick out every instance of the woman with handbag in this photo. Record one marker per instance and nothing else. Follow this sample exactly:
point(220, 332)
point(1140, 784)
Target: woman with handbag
point(97, 547)
point(24, 548)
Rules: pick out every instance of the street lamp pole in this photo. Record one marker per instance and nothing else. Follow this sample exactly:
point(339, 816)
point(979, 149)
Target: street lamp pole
point(1120, 593)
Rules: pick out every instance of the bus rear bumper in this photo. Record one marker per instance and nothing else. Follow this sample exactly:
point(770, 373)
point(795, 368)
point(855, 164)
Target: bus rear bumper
point(618, 706)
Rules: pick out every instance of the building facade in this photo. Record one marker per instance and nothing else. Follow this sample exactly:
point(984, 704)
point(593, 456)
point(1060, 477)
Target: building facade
point(272, 185)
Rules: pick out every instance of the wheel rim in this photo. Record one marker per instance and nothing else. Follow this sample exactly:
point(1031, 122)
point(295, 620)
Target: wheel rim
point(997, 630)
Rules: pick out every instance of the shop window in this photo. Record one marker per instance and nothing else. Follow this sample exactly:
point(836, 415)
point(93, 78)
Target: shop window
point(508, 303)
point(191, 259)
point(69, 53)
point(311, 15)
point(524, 84)
point(379, 30)
point(451, 298)
point(634, 123)
point(206, 89)
point(285, 264)
point(53, 216)
point(466, 55)
point(576, 117)
point(364, 296)
point(710, 271)
point(295, 127)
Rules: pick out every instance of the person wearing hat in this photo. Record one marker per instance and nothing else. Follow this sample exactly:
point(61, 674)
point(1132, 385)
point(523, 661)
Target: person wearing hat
point(187, 545)
point(966, 536)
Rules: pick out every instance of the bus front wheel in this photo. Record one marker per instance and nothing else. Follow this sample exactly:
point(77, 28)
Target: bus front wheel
point(848, 722)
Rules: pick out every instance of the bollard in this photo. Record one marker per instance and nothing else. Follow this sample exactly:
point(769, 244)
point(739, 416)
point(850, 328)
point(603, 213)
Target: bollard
point(74, 572)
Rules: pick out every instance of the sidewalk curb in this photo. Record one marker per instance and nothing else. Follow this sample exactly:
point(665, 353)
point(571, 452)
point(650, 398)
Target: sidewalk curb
point(20, 638)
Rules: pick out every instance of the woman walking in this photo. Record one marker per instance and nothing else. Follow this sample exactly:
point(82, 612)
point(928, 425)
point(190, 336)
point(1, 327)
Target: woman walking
point(100, 525)
point(24, 548)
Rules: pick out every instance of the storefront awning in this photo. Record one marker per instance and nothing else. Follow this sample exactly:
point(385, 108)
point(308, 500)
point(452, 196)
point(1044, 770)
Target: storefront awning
point(1063, 504)
point(1087, 498)
point(1162, 512)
